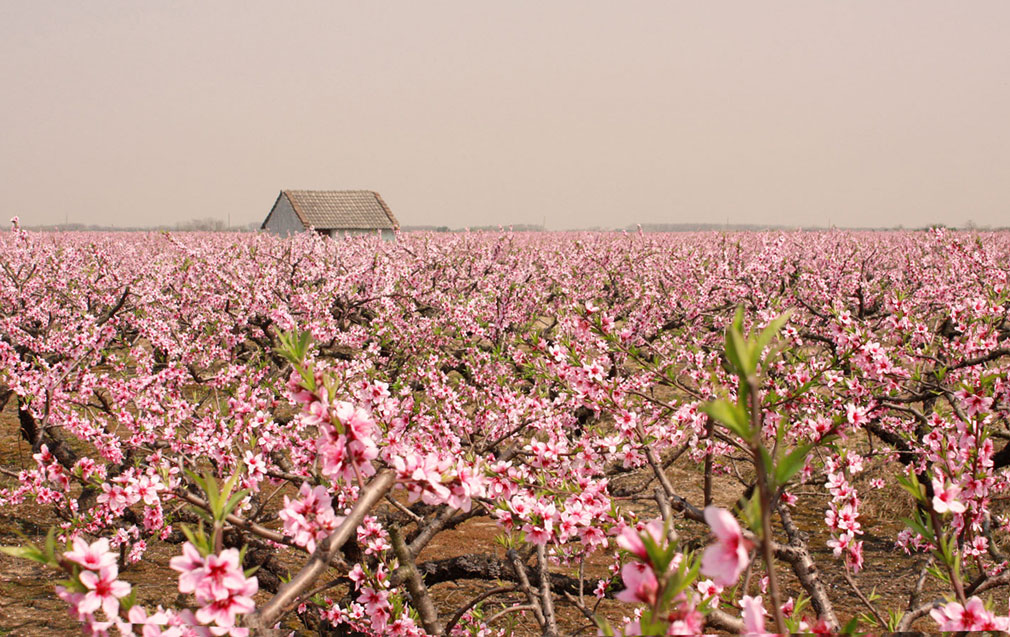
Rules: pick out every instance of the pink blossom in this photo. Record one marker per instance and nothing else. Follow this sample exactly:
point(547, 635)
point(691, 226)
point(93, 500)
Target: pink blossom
point(855, 415)
point(221, 575)
point(630, 538)
point(708, 588)
point(235, 601)
point(841, 543)
point(725, 560)
point(601, 589)
point(974, 403)
point(854, 556)
point(104, 591)
point(954, 617)
point(116, 497)
point(94, 556)
point(945, 497)
point(147, 489)
point(190, 564)
point(640, 583)
point(753, 616)
point(310, 518)
point(377, 605)
point(358, 424)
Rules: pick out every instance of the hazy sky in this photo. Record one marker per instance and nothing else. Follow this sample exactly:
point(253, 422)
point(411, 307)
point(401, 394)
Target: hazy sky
point(467, 113)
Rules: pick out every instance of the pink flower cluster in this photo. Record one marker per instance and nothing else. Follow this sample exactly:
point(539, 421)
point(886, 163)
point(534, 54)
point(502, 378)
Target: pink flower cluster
point(309, 518)
point(372, 610)
point(218, 582)
point(969, 617)
point(99, 577)
point(443, 369)
point(346, 453)
point(640, 582)
point(52, 469)
point(945, 496)
point(842, 517)
point(723, 561)
point(437, 478)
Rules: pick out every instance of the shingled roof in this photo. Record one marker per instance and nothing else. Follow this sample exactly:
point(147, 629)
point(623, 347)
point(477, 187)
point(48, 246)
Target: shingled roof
point(341, 209)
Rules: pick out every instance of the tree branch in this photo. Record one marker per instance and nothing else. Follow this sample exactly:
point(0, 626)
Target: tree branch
point(268, 613)
point(415, 585)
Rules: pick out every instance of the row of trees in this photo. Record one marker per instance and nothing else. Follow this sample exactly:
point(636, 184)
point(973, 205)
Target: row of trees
point(260, 403)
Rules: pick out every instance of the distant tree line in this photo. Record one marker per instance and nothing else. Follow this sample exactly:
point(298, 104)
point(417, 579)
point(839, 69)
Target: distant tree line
point(210, 224)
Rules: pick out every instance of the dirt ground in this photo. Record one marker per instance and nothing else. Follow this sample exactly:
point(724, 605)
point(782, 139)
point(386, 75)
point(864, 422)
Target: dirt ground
point(29, 607)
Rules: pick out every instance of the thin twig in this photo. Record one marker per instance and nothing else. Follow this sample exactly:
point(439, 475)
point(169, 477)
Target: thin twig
point(473, 602)
point(579, 604)
point(511, 609)
point(546, 600)
point(863, 598)
point(402, 509)
point(709, 430)
point(766, 507)
point(524, 585)
point(913, 598)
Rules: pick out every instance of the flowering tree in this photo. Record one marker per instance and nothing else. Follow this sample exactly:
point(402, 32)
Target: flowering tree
point(299, 419)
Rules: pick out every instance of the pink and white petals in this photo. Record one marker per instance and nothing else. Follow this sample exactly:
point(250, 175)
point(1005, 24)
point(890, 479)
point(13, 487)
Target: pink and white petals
point(725, 560)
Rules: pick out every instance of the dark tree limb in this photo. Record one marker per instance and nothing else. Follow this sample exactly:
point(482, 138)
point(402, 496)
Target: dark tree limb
point(415, 584)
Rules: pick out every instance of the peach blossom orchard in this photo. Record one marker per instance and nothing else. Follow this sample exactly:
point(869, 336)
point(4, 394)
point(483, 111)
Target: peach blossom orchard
point(298, 419)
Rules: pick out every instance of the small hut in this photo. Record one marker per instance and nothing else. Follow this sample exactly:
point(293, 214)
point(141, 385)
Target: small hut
point(330, 212)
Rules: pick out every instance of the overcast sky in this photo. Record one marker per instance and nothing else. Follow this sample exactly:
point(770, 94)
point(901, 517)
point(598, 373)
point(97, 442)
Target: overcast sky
point(463, 113)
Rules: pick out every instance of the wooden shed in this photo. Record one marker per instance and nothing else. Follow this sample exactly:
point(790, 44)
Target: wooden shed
point(330, 212)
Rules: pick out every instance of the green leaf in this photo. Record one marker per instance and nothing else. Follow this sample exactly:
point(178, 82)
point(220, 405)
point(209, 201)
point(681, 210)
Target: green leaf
point(225, 500)
point(791, 464)
point(51, 546)
point(687, 572)
point(198, 538)
point(767, 457)
point(737, 323)
point(233, 502)
point(731, 415)
point(802, 601)
point(918, 525)
point(751, 512)
point(213, 494)
point(946, 549)
point(894, 618)
point(939, 573)
point(605, 628)
point(911, 484)
point(294, 345)
point(654, 551)
point(128, 601)
point(28, 552)
point(188, 532)
point(73, 585)
point(203, 515)
point(738, 353)
point(851, 627)
point(868, 619)
point(767, 334)
point(733, 354)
